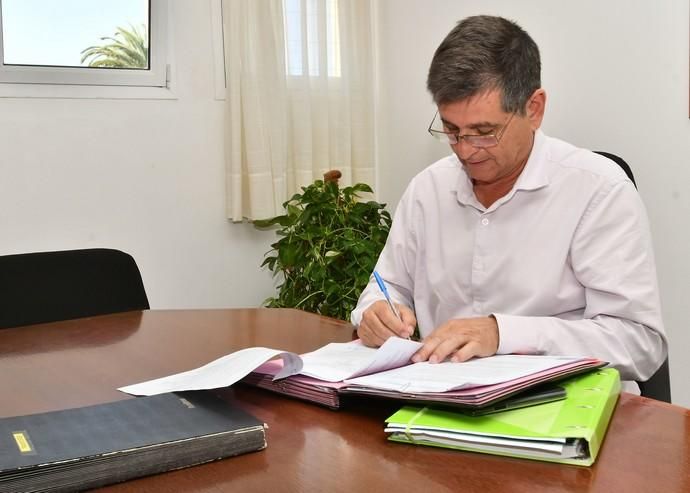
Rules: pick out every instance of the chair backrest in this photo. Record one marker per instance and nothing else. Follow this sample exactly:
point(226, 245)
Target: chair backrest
point(659, 385)
point(620, 162)
point(53, 286)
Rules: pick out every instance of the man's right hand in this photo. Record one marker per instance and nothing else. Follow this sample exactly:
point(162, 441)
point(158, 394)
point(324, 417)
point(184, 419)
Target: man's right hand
point(379, 323)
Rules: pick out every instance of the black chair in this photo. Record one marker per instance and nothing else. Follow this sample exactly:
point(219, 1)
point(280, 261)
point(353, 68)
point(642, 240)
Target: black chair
point(620, 162)
point(659, 385)
point(53, 286)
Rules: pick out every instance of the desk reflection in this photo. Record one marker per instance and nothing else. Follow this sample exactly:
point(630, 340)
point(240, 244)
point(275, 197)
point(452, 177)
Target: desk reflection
point(103, 330)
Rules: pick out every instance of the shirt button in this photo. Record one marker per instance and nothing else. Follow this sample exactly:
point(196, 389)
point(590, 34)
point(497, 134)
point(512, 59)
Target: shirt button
point(485, 221)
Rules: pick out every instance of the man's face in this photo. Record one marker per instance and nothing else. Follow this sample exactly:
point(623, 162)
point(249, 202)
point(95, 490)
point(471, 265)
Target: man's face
point(482, 114)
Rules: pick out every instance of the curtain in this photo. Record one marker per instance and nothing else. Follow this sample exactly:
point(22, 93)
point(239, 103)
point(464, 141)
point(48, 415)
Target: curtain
point(299, 99)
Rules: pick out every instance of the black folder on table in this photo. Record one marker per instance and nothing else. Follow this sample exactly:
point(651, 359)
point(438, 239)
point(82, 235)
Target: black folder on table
point(93, 446)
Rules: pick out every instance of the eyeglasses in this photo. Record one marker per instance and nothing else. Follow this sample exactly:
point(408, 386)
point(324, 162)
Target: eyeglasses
point(454, 138)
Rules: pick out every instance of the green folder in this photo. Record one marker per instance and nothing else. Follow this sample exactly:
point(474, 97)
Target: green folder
point(569, 431)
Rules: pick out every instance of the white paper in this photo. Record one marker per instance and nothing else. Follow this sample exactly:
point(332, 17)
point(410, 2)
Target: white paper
point(337, 361)
point(459, 438)
point(441, 377)
point(359, 365)
point(221, 372)
point(450, 433)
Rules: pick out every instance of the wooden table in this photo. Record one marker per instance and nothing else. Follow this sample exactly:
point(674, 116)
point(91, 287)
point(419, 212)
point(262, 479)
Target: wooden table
point(81, 362)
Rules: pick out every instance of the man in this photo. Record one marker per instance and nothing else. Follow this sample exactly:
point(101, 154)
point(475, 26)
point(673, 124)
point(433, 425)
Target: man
point(518, 242)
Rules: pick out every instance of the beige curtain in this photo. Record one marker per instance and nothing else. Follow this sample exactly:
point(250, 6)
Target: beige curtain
point(299, 101)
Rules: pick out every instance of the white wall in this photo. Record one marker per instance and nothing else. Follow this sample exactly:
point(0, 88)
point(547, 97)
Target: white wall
point(616, 74)
point(146, 177)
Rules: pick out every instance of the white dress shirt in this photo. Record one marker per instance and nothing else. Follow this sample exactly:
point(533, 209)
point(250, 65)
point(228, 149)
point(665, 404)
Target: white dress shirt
point(564, 261)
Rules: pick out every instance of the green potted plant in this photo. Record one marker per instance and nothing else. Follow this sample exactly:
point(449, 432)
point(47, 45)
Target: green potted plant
point(329, 241)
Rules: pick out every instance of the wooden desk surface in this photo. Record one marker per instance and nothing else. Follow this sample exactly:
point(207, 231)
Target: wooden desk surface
point(76, 363)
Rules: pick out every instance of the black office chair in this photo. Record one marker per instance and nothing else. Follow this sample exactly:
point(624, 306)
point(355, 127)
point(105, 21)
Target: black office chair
point(659, 385)
point(620, 162)
point(53, 286)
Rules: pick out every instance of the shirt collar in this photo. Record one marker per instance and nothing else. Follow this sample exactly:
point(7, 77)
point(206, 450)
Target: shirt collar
point(534, 175)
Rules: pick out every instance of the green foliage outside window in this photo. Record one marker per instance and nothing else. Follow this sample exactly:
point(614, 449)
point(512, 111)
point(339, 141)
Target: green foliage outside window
point(127, 49)
point(328, 247)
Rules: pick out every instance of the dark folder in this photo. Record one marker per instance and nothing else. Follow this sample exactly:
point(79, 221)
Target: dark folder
point(93, 446)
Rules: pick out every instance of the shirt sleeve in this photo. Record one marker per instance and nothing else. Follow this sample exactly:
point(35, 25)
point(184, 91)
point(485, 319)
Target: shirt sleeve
point(395, 263)
point(612, 257)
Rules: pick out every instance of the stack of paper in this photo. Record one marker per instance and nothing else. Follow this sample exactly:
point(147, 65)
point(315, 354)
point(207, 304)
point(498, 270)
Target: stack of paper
point(569, 431)
point(93, 446)
point(474, 384)
point(337, 369)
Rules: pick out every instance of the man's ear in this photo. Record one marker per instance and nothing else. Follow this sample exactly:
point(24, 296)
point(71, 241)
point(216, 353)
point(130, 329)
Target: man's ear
point(535, 108)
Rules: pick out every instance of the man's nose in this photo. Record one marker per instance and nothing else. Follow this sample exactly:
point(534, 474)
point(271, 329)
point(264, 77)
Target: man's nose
point(463, 150)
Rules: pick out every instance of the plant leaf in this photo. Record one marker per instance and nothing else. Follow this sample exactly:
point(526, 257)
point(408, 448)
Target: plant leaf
point(329, 244)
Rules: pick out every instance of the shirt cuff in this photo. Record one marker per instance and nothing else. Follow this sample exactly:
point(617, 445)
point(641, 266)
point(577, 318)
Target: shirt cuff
point(517, 334)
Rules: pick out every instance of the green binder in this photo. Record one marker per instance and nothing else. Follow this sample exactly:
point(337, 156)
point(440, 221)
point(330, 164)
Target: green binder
point(569, 431)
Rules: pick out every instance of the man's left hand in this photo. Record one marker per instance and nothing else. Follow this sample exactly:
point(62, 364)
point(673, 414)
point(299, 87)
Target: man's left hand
point(460, 339)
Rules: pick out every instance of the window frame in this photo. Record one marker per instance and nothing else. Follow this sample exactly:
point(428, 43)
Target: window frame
point(157, 76)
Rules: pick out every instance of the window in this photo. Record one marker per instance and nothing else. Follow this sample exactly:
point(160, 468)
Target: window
point(83, 42)
point(307, 23)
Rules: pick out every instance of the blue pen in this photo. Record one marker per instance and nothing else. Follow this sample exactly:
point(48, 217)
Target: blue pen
point(382, 286)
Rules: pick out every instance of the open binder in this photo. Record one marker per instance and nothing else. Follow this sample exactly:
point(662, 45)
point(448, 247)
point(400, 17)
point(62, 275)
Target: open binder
point(334, 394)
point(338, 369)
point(568, 431)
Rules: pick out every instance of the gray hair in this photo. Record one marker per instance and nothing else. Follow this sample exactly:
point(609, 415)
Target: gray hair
point(483, 53)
